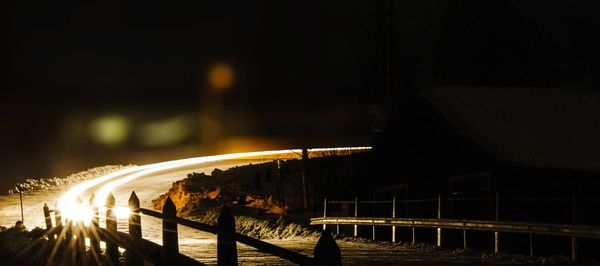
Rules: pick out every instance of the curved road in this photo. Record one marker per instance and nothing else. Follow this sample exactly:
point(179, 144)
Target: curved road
point(149, 181)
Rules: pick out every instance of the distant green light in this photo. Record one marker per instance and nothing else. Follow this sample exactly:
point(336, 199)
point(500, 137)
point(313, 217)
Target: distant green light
point(110, 130)
point(165, 132)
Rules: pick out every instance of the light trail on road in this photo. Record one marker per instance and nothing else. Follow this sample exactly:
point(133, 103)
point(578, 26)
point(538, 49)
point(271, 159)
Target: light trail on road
point(71, 208)
point(203, 246)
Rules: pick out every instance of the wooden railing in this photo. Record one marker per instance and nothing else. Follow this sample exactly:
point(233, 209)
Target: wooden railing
point(67, 243)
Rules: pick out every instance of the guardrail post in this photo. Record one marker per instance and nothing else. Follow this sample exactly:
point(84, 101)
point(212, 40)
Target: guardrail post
point(112, 249)
point(324, 212)
point(496, 233)
point(93, 230)
point(226, 242)
point(464, 238)
point(394, 216)
point(327, 251)
point(170, 233)
point(531, 244)
point(373, 222)
point(439, 216)
point(413, 234)
point(355, 215)
point(573, 239)
point(135, 230)
point(48, 220)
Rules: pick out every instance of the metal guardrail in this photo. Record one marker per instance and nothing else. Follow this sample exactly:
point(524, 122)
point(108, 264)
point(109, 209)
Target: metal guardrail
point(496, 226)
point(568, 230)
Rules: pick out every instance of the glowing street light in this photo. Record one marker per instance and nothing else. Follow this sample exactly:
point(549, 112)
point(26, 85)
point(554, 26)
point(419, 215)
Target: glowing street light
point(221, 76)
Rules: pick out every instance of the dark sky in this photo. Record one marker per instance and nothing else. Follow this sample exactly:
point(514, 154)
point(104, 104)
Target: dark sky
point(71, 57)
point(137, 51)
point(300, 51)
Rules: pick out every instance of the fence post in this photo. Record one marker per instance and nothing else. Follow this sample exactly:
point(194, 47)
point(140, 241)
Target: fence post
point(69, 241)
point(394, 216)
point(355, 215)
point(68, 231)
point(327, 251)
point(226, 242)
point(496, 233)
point(80, 237)
point(48, 220)
point(135, 230)
point(112, 249)
point(573, 239)
point(170, 233)
point(93, 230)
point(324, 212)
point(59, 226)
point(439, 216)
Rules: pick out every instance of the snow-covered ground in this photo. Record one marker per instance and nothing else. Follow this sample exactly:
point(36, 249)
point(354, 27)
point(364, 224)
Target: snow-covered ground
point(36, 192)
point(32, 184)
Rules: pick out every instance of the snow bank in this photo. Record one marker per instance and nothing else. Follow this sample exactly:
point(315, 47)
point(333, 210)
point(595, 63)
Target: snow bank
point(31, 184)
point(261, 226)
point(200, 196)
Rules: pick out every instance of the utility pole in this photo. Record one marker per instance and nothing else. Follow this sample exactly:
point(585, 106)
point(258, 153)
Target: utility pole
point(303, 181)
point(19, 188)
point(280, 184)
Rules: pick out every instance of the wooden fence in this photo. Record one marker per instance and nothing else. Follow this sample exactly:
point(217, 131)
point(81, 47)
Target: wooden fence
point(67, 242)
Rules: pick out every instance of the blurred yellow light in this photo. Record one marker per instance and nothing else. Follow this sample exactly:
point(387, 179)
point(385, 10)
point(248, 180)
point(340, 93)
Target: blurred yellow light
point(220, 76)
point(110, 130)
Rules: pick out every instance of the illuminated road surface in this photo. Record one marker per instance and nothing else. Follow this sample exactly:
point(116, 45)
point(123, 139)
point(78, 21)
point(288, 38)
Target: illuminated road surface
point(149, 181)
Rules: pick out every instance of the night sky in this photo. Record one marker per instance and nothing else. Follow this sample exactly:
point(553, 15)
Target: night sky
point(297, 59)
point(137, 51)
point(71, 58)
